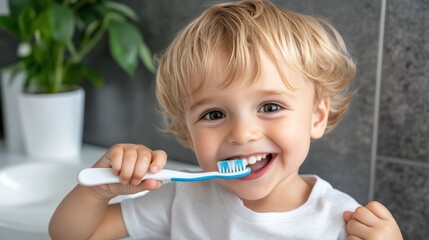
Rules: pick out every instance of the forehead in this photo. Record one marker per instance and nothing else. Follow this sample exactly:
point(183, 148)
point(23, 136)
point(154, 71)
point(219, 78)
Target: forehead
point(261, 67)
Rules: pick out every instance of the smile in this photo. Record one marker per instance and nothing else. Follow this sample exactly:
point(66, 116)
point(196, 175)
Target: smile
point(258, 163)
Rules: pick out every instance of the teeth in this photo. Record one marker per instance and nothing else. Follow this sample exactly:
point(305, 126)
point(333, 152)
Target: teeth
point(231, 166)
point(251, 160)
point(255, 158)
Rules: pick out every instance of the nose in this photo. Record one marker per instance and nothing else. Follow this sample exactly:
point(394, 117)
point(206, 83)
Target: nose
point(242, 131)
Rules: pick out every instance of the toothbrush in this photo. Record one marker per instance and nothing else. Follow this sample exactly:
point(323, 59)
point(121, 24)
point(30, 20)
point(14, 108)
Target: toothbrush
point(228, 169)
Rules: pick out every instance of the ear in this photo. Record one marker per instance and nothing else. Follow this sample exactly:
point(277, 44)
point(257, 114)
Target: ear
point(320, 118)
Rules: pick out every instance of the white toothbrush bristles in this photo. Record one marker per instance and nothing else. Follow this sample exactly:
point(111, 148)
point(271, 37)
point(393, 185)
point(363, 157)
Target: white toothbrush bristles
point(231, 166)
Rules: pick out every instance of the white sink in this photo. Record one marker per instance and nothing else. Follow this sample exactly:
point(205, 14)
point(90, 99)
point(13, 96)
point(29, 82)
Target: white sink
point(30, 192)
point(34, 183)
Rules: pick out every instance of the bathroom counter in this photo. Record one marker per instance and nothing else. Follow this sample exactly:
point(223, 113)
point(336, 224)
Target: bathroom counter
point(89, 155)
point(28, 197)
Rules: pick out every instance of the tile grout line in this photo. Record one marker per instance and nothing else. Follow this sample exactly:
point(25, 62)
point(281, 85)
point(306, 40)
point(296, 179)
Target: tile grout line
point(372, 170)
point(403, 161)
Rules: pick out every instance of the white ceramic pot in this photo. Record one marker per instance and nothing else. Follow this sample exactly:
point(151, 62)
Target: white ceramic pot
point(11, 88)
point(52, 124)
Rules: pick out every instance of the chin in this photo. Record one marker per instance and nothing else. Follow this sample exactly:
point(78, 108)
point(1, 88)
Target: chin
point(247, 193)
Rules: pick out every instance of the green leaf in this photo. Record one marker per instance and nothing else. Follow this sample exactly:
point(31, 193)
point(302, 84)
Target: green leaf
point(61, 22)
point(124, 40)
point(116, 17)
point(25, 22)
point(95, 78)
point(76, 72)
point(90, 29)
point(122, 9)
point(146, 57)
point(15, 7)
point(10, 25)
point(10, 22)
point(42, 25)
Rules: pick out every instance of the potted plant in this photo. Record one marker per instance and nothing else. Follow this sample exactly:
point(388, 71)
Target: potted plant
point(55, 36)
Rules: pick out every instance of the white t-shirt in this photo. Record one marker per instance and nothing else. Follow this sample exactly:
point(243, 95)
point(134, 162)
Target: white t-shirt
point(205, 210)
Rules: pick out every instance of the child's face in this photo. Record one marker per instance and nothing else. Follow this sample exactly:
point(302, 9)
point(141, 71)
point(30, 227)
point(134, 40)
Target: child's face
point(264, 120)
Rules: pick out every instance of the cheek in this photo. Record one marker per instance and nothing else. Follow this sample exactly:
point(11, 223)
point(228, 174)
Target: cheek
point(293, 135)
point(206, 145)
point(292, 126)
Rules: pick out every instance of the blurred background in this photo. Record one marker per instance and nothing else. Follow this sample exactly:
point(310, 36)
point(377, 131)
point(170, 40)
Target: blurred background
point(379, 152)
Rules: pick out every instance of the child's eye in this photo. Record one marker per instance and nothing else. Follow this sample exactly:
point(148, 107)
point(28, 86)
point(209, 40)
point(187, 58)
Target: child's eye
point(269, 107)
point(213, 115)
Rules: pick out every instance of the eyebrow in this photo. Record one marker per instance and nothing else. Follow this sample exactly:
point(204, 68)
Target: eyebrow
point(200, 102)
point(261, 93)
point(275, 93)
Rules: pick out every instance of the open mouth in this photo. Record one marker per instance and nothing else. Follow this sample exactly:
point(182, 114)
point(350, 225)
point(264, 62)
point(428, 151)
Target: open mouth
point(258, 164)
point(260, 167)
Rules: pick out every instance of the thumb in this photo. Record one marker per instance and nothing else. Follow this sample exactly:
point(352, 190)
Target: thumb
point(347, 215)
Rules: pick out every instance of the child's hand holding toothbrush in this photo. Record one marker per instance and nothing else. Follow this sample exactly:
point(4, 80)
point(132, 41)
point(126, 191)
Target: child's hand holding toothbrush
point(130, 162)
point(86, 213)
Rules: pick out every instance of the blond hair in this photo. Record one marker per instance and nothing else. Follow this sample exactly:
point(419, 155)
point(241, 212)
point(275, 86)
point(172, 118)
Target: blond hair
point(308, 44)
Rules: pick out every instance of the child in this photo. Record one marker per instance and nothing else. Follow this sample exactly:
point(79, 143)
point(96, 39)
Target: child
point(245, 80)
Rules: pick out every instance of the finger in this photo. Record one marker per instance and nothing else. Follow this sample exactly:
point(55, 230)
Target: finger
point(379, 210)
point(115, 156)
point(347, 215)
point(358, 229)
point(130, 189)
point(128, 163)
point(152, 184)
point(142, 165)
point(159, 158)
point(120, 189)
point(365, 216)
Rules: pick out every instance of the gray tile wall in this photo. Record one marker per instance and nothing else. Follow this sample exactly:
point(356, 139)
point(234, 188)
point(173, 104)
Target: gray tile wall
point(402, 164)
point(380, 151)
